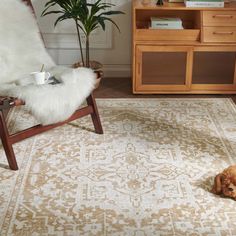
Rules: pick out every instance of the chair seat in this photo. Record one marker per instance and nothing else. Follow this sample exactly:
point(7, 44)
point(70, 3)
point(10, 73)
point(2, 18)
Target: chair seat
point(13, 101)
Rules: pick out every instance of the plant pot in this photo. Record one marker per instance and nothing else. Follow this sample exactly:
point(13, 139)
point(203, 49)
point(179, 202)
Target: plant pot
point(96, 67)
point(146, 2)
point(99, 78)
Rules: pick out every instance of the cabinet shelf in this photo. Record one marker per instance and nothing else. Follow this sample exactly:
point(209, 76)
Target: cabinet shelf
point(170, 34)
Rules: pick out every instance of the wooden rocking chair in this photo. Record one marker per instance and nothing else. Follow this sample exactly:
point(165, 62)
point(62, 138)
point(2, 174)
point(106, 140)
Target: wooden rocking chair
point(6, 103)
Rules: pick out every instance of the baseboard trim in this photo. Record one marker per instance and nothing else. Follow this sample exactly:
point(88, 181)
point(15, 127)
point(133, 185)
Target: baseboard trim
point(117, 71)
point(121, 71)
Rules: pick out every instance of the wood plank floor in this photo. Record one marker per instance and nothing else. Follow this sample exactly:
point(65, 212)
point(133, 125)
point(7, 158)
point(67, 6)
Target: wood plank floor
point(122, 88)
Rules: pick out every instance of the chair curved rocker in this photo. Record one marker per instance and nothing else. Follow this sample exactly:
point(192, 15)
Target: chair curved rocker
point(6, 103)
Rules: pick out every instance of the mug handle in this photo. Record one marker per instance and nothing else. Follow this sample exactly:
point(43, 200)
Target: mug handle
point(47, 76)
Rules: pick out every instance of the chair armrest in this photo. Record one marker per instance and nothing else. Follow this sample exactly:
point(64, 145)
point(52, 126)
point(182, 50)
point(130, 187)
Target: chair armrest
point(8, 102)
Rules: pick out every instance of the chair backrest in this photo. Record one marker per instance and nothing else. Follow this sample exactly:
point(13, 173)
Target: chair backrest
point(29, 3)
point(21, 48)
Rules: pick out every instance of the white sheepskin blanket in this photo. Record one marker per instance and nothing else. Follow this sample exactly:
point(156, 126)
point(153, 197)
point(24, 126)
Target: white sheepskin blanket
point(54, 103)
point(21, 48)
point(22, 52)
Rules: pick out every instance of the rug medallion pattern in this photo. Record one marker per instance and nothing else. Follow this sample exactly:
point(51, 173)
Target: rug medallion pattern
point(149, 174)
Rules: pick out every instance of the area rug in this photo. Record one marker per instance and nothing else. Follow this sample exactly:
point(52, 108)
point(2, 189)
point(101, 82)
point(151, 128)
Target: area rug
point(149, 174)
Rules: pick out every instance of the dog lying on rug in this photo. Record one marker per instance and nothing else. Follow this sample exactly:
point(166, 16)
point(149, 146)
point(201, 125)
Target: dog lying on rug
point(225, 183)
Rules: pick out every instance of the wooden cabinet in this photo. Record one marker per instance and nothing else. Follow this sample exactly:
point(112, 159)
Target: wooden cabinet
point(200, 58)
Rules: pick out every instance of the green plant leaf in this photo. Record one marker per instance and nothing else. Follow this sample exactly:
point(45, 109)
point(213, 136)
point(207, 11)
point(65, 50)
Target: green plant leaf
point(109, 13)
point(52, 12)
point(61, 18)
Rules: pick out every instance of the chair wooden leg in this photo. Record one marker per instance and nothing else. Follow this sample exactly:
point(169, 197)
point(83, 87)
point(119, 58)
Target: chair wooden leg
point(7, 145)
point(95, 115)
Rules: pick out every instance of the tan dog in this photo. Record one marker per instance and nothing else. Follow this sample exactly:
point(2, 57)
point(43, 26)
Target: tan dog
point(225, 183)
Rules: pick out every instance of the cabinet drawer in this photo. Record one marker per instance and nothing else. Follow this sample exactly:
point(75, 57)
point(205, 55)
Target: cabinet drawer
point(219, 18)
point(219, 34)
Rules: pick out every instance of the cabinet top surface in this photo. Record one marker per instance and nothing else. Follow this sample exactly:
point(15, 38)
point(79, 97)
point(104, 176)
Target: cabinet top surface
point(137, 4)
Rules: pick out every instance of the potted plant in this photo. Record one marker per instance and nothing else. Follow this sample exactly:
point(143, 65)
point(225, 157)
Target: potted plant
point(87, 17)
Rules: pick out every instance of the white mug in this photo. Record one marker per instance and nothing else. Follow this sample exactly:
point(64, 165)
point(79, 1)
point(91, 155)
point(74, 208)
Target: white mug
point(41, 77)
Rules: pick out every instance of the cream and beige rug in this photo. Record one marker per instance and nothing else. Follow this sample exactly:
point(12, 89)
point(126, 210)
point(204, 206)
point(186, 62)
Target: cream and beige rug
point(149, 174)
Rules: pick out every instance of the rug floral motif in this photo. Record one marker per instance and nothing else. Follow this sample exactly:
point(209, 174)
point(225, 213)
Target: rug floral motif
point(149, 174)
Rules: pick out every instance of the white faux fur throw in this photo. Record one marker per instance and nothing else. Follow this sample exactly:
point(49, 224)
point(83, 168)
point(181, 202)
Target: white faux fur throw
point(21, 48)
point(22, 52)
point(54, 103)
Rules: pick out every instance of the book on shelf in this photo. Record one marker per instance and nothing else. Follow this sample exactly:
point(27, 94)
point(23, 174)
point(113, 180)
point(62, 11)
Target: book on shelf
point(204, 3)
point(166, 23)
point(211, 1)
point(166, 27)
point(174, 1)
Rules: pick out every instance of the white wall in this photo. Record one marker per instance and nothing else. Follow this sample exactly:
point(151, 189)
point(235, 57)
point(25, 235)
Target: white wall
point(112, 49)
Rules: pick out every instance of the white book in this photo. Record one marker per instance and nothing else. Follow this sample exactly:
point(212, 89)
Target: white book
point(167, 27)
point(203, 4)
point(175, 0)
point(160, 22)
point(166, 19)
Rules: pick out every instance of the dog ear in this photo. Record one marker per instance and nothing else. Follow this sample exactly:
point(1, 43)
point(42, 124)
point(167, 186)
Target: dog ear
point(217, 188)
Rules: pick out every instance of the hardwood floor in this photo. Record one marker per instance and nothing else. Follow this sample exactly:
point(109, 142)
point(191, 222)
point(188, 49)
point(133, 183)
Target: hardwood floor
point(122, 88)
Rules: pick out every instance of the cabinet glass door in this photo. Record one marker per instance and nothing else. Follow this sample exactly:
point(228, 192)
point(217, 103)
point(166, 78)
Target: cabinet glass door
point(163, 68)
point(214, 70)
